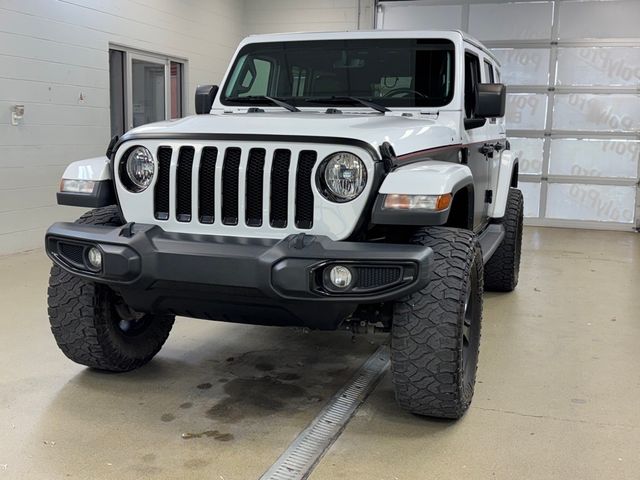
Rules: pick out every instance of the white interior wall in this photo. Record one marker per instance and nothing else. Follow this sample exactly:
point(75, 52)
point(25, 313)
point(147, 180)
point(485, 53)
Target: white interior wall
point(54, 60)
point(271, 16)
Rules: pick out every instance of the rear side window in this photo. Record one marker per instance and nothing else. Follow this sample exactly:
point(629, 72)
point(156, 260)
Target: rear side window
point(488, 72)
point(471, 80)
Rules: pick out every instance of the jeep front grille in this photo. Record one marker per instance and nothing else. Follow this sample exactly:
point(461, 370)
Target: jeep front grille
point(233, 189)
point(253, 188)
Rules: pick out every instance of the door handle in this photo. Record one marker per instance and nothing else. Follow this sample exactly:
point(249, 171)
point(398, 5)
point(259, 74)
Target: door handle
point(487, 149)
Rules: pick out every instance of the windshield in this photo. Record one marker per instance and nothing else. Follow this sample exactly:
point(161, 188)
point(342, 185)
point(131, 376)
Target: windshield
point(389, 72)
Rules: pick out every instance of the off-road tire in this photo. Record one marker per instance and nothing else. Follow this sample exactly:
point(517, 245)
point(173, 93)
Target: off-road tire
point(428, 330)
point(502, 270)
point(86, 323)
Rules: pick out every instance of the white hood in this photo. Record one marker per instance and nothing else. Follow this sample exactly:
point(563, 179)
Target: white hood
point(405, 133)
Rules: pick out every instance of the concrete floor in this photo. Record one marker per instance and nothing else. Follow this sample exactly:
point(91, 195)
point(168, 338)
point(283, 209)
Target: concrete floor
point(559, 383)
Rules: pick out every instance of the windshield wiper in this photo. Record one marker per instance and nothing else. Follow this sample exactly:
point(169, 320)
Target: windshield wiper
point(275, 101)
point(342, 99)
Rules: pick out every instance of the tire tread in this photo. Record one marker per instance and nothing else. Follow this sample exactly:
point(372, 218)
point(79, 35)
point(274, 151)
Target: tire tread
point(427, 328)
point(502, 270)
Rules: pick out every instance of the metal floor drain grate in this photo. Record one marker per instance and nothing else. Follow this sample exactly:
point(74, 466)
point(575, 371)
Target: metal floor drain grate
point(297, 462)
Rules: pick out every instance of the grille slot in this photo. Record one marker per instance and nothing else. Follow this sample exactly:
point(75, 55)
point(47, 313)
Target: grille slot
point(230, 177)
point(161, 192)
point(255, 171)
point(304, 194)
point(72, 253)
point(372, 277)
point(207, 185)
point(280, 188)
point(183, 184)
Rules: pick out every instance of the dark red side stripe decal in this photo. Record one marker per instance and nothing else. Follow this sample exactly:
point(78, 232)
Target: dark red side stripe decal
point(407, 157)
point(419, 154)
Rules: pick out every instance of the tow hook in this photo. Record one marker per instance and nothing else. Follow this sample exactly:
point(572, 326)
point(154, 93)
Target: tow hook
point(127, 230)
point(369, 319)
point(363, 327)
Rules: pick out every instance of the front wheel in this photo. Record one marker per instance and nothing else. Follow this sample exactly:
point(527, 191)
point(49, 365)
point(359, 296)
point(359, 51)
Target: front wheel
point(92, 324)
point(435, 335)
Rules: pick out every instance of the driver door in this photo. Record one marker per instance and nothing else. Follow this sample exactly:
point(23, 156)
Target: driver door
point(476, 140)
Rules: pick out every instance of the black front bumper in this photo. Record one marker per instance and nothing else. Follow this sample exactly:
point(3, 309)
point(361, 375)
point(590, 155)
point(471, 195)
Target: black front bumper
point(272, 282)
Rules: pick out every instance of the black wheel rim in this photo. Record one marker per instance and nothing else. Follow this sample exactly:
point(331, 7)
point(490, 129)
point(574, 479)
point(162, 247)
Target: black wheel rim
point(471, 330)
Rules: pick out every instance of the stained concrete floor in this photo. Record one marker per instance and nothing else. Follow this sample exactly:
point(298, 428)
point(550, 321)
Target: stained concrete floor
point(559, 383)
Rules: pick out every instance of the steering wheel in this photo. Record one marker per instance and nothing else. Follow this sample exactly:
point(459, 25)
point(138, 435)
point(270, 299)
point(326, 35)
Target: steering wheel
point(400, 91)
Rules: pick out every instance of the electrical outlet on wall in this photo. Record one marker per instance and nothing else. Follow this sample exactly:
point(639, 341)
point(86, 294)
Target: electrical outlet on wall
point(17, 112)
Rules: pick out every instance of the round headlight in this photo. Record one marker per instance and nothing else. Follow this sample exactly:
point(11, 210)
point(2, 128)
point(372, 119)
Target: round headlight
point(140, 168)
point(344, 175)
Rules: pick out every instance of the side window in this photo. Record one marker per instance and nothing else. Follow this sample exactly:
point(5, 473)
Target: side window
point(471, 80)
point(497, 76)
point(488, 72)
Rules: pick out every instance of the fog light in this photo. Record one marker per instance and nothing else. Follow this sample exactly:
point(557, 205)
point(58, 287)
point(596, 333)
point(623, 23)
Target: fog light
point(94, 256)
point(340, 276)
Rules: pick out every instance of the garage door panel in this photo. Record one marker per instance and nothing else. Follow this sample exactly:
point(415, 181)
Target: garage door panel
point(597, 112)
point(531, 193)
point(601, 203)
point(598, 19)
point(594, 157)
point(521, 21)
point(524, 66)
point(599, 66)
point(526, 111)
point(529, 152)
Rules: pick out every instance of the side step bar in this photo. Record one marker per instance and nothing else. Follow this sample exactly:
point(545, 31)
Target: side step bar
point(490, 239)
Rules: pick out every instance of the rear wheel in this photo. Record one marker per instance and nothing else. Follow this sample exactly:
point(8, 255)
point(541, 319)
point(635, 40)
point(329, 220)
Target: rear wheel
point(503, 268)
point(92, 324)
point(436, 331)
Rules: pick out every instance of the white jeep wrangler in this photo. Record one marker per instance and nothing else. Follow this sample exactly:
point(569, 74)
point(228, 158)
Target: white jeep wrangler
point(335, 179)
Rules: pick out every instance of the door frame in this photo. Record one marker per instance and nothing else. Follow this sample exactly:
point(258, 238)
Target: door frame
point(152, 57)
point(130, 57)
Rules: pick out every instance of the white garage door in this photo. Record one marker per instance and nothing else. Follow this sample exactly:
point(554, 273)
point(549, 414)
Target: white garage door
point(573, 111)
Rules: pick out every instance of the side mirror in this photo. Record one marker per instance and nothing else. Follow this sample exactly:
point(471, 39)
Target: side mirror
point(491, 100)
point(205, 95)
